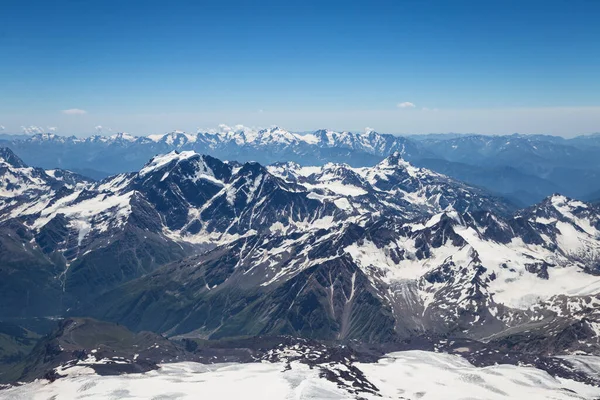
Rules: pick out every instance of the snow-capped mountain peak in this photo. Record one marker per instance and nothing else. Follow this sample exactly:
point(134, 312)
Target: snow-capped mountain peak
point(276, 135)
point(123, 136)
point(175, 139)
point(395, 162)
point(161, 161)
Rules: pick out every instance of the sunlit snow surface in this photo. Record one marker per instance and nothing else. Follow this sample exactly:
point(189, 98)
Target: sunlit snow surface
point(406, 375)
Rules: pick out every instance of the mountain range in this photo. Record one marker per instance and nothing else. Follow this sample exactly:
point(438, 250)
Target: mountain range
point(524, 168)
point(391, 255)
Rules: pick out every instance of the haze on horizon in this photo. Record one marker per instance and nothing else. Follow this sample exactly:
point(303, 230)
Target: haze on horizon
point(401, 67)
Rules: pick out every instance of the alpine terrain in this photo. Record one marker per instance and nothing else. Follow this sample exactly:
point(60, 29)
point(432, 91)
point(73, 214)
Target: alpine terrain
point(327, 281)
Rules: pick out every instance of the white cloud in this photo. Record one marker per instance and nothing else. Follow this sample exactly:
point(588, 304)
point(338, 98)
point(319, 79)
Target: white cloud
point(100, 129)
point(52, 129)
point(32, 129)
point(74, 111)
point(223, 128)
point(406, 104)
point(2, 128)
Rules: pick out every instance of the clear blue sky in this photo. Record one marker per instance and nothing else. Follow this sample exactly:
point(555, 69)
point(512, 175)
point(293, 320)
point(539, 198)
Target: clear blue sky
point(151, 66)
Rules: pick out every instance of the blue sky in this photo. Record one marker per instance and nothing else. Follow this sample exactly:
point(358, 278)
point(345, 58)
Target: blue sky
point(154, 66)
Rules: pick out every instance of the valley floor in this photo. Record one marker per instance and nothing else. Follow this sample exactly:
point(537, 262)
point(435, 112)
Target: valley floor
point(399, 375)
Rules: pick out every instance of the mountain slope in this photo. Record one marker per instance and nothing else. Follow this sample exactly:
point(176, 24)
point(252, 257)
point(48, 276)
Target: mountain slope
point(197, 246)
point(381, 279)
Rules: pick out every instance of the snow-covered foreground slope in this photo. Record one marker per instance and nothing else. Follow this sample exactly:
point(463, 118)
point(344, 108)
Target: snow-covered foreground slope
point(428, 375)
point(401, 375)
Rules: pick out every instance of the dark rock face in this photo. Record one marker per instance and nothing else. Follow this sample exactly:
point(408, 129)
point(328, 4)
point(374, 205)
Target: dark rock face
point(27, 278)
point(54, 235)
point(318, 303)
point(133, 253)
point(331, 300)
point(180, 187)
point(11, 158)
